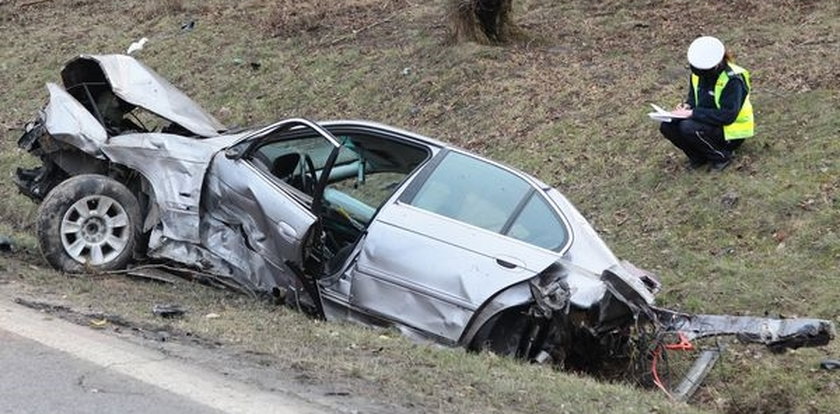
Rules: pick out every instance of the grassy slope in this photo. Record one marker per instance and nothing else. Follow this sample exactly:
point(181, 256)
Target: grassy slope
point(568, 106)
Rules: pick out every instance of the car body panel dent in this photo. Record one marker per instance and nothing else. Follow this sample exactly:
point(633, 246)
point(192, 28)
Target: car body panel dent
point(69, 122)
point(175, 168)
point(273, 223)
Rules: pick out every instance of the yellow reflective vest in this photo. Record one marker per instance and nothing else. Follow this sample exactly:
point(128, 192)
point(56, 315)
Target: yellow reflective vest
point(744, 125)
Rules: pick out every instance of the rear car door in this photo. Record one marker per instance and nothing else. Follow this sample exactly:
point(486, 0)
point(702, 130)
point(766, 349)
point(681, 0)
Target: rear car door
point(463, 230)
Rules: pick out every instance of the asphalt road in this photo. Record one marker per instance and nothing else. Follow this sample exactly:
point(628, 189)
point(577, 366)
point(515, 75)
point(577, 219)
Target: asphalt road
point(38, 379)
point(49, 365)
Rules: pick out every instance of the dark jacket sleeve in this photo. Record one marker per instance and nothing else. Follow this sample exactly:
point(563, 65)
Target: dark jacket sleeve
point(731, 99)
point(690, 98)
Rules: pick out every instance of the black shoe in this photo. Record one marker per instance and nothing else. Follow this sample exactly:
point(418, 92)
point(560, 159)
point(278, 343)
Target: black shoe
point(721, 165)
point(694, 164)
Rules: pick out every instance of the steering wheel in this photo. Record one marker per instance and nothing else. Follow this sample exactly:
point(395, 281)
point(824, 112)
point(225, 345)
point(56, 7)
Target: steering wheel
point(311, 178)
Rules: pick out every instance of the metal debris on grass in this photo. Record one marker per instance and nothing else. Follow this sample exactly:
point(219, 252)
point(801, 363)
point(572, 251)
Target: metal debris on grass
point(830, 364)
point(168, 310)
point(7, 244)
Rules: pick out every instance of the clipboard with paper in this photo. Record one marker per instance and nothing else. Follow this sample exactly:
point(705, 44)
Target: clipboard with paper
point(662, 115)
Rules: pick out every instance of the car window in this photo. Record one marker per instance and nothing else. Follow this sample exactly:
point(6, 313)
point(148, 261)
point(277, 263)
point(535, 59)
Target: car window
point(539, 225)
point(316, 147)
point(366, 172)
point(472, 191)
point(297, 161)
point(354, 189)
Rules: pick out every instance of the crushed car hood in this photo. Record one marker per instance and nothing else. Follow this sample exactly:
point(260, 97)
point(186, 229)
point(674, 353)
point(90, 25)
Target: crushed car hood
point(138, 85)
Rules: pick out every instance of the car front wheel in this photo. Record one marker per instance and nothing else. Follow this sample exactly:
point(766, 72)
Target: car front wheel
point(88, 222)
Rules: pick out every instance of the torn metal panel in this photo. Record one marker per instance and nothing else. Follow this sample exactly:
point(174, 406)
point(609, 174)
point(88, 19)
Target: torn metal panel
point(237, 266)
point(551, 292)
point(135, 83)
point(627, 287)
point(776, 334)
point(696, 374)
point(189, 254)
point(586, 288)
point(517, 295)
point(69, 122)
point(231, 221)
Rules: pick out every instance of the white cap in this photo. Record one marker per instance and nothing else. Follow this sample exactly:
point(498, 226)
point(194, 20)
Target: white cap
point(705, 52)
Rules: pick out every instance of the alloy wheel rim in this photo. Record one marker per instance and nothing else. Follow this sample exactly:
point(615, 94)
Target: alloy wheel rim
point(94, 230)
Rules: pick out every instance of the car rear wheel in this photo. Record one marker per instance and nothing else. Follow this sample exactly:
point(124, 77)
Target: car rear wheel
point(88, 222)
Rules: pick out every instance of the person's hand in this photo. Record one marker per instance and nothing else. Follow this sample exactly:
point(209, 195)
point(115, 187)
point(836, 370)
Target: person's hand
point(682, 112)
point(682, 106)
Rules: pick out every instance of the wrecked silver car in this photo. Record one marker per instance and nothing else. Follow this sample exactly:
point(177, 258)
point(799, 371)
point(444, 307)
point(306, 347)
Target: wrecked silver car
point(347, 220)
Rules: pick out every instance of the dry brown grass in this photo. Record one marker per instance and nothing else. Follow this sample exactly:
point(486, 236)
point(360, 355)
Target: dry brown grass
point(290, 18)
point(158, 8)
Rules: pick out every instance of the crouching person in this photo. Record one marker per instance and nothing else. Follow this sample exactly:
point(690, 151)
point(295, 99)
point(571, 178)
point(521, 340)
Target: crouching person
point(717, 115)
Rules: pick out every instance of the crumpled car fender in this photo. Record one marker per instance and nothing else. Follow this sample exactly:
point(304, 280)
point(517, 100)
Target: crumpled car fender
point(509, 298)
point(69, 122)
point(175, 167)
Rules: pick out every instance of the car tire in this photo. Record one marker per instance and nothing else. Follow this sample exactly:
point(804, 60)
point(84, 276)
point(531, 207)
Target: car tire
point(88, 222)
point(503, 334)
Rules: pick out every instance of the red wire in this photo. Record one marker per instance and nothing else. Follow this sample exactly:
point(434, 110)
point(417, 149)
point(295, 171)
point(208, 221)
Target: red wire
point(656, 380)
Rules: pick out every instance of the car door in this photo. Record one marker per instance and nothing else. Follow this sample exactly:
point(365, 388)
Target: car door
point(275, 214)
point(463, 230)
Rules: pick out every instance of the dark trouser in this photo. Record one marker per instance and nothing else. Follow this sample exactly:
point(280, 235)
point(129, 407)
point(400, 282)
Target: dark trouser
point(700, 142)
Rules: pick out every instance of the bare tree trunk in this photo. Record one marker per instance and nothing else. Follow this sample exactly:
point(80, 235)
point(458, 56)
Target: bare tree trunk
point(482, 21)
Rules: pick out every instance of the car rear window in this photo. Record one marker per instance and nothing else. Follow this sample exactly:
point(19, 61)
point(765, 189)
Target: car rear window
point(539, 225)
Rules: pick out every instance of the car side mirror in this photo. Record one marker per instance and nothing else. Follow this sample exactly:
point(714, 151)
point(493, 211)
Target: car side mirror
point(237, 151)
point(233, 153)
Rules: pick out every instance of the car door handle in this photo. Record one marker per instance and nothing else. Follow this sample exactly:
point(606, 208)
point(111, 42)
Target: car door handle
point(287, 230)
point(506, 264)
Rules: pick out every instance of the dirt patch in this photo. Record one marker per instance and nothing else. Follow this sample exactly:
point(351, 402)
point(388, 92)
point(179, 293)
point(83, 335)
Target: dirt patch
point(118, 324)
point(765, 402)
